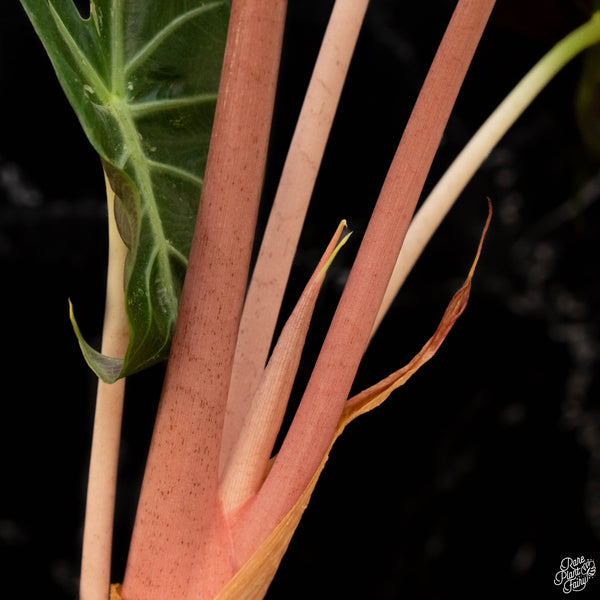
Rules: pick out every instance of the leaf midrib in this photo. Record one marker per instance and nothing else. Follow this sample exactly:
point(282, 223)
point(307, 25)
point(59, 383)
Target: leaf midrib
point(114, 97)
point(139, 161)
point(142, 168)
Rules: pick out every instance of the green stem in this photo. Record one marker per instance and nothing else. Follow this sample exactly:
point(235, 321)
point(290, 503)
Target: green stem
point(102, 481)
point(445, 193)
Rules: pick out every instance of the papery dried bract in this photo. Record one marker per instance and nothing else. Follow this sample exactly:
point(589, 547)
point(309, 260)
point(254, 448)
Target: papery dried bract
point(253, 579)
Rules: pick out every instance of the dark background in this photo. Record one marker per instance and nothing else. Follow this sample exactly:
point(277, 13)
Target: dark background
point(478, 476)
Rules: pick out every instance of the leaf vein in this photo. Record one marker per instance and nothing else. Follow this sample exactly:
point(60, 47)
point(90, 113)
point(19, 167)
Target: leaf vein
point(181, 173)
point(144, 108)
point(164, 33)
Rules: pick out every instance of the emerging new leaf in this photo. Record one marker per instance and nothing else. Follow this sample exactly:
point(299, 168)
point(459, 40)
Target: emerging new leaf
point(142, 76)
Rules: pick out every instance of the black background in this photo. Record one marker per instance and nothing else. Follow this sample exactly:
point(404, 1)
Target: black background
point(477, 477)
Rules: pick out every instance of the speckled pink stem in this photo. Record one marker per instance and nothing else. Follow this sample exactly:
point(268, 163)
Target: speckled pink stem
point(180, 548)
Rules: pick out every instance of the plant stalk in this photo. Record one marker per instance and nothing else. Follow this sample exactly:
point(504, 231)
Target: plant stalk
point(180, 546)
point(102, 479)
point(442, 197)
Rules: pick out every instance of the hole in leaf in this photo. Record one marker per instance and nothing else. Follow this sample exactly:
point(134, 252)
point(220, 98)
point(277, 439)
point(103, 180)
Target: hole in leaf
point(83, 6)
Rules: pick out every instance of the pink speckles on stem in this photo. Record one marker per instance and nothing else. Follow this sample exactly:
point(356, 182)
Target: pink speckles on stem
point(174, 540)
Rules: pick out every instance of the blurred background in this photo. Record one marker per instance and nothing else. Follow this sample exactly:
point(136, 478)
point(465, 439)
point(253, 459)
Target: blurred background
point(479, 475)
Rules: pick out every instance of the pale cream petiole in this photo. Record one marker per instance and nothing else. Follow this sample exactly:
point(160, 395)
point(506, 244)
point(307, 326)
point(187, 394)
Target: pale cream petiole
point(440, 200)
point(102, 480)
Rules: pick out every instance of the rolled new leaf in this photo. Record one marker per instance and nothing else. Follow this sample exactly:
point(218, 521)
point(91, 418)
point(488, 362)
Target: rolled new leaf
point(248, 461)
point(142, 77)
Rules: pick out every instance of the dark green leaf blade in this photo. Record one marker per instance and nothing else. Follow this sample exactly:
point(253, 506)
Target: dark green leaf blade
point(142, 76)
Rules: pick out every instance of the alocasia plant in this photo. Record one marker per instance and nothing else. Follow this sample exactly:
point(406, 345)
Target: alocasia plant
point(217, 510)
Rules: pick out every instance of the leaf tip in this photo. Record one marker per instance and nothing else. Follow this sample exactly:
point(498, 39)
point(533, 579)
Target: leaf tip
point(105, 367)
point(481, 239)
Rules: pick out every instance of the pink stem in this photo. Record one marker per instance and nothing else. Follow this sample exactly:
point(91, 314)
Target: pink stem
point(314, 425)
point(178, 512)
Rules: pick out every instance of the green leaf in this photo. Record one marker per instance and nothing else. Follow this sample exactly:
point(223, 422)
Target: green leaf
point(142, 76)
